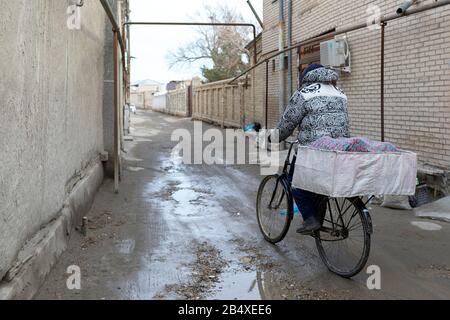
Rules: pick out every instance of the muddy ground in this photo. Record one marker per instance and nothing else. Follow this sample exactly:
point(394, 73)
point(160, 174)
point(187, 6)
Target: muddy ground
point(189, 232)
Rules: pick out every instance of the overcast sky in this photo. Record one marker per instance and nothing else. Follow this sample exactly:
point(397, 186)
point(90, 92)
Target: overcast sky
point(150, 45)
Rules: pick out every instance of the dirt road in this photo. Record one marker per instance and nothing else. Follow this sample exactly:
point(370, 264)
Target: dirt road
point(190, 232)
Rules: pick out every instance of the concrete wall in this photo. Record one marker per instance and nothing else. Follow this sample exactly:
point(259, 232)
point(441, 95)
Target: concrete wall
point(160, 102)
point(51, 97)
point(234, 105)
point(137, 99)
point(175, 102)
point(221, 103)
point(108, 94)
point(178, 102)
point(142, 99)
point(231, 105)
point(417, 71)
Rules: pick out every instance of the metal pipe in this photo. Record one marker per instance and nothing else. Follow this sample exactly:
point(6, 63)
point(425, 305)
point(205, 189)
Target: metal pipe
point(219, 24)
point(281, 56)
point(129, 63)
point(255, 13)
point(267, 95)
point(117, 40)
point(383, 29)
point(289, 45)
point(116, 107)
point(347, 29)
point(405, 6)
point(113, 21)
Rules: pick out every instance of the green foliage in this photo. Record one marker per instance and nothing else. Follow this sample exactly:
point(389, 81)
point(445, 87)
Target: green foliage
point(227, 63)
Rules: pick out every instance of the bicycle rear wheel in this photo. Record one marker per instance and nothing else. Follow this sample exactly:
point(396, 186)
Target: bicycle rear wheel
point(274, 209)
point(344, 240)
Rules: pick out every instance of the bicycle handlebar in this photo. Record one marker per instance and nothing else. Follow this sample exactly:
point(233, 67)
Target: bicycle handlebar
point(292, 142)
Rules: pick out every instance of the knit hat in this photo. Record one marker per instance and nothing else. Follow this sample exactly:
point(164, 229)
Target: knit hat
point(310, 68)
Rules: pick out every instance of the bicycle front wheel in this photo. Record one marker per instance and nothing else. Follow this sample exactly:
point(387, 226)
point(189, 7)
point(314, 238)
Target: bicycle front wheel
point(344, 240)
point(274, 209)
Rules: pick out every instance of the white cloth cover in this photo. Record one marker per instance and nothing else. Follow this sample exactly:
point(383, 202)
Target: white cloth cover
point(350, 174)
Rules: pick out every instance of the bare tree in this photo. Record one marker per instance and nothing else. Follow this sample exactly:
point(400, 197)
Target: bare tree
point(222, 45)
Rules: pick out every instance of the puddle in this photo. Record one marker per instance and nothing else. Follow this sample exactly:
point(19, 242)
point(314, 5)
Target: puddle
point(140, 139)
point(186, 196)
point(173, 120)
point(205, 272)
point(427, 226)
point(126, 246)
point(238, 286)
point(260, 285)
point(173, 164)
point(131, 159)
point(135, 169)
point(192, 204)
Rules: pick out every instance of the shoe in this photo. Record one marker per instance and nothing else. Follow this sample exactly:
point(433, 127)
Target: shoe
point(309, 226)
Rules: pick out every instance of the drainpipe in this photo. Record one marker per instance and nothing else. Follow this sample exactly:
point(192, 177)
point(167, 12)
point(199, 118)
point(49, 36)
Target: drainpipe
point(267, 96)
point(128, 60)
point(289, 45)
point(405, 6)
point(116, 111)
point(255, 13)
point(281, 24)
point(382, 64)
point(118, 44)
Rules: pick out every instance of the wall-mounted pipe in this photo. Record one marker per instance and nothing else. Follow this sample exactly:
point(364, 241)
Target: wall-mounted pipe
point(289, 36)
point(405, 6)
point(255, 13)
point(116, 111)
point(118, 40)
point(267, 96)
point(113, 21)
point(383, 29)
point(281, 56)
point(345, 30)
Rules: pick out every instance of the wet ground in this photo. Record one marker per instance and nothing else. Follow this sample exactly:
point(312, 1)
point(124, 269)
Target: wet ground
point(189, 232)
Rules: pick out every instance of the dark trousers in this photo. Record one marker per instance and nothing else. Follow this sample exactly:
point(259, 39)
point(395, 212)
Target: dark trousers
point(305, 200)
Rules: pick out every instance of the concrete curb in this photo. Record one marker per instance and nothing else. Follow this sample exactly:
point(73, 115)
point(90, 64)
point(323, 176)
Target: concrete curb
point(42, 252)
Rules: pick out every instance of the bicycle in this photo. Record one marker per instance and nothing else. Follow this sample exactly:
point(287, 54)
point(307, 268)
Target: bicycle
point(346, 222)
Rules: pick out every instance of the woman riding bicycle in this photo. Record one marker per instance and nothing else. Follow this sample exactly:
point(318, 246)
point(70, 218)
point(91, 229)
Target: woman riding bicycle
point(318, 109)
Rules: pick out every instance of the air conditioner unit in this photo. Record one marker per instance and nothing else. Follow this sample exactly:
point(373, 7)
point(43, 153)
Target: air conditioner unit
point(335, 54)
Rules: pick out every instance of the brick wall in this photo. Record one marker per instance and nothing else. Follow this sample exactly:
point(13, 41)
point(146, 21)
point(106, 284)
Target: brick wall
point(417, 71)
point(255, 95)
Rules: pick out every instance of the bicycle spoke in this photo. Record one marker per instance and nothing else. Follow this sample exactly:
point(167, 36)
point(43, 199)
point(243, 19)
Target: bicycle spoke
point(343, 249)
point(355, 226)
point(273, 209)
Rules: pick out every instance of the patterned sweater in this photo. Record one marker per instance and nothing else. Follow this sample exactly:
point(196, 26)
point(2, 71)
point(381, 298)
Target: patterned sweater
point(319, 109)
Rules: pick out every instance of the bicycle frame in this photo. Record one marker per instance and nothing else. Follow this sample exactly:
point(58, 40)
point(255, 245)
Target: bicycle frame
point(285, 180)
point(340, 218)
